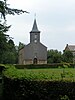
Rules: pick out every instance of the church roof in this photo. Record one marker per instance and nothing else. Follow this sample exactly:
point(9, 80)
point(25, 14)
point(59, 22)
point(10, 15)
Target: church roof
point(34, 28)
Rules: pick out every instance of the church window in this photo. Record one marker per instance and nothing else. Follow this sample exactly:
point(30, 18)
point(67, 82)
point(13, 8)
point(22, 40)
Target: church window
point(35, 36)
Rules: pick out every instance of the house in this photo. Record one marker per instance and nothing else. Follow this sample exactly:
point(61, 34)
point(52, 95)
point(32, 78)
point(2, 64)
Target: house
point(35, 52)
point(72, 49)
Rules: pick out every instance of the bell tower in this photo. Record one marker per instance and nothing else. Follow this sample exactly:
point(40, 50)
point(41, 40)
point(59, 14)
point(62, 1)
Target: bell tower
point(35, 33)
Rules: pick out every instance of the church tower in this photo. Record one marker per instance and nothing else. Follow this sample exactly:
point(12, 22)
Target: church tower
point(35, 33)
point(35, 52)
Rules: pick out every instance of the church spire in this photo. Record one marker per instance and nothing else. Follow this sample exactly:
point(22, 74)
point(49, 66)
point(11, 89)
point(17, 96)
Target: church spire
point(35, 33)
point(35, 28)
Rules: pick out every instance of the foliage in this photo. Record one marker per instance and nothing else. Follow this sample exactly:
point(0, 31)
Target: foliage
point(65, 97)
point(6, 46)
point(67, 74)
point(43, 90)
point(10, 54)
point(39, 66)
point(4, 9)
point(21, 45)
point(67, 56)
point(54, 56)
point(2, 67)
point(43, 66)
point(45, 84)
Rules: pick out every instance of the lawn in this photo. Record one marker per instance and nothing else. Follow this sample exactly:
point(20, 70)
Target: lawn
point(49, 74)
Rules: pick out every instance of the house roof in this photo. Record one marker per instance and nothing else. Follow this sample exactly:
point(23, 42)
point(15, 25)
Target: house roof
point(34, 28)
point(70, 47)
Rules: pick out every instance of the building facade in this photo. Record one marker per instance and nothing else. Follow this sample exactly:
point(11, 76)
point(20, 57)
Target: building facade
point(35, 52)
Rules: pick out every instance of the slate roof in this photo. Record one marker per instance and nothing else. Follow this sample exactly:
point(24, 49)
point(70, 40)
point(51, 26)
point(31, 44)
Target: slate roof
point(34, 28)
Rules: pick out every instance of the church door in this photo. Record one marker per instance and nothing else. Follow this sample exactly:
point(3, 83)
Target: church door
point(35, 61)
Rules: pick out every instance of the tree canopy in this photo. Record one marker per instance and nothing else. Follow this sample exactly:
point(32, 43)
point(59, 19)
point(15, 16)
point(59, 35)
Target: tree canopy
point(7, 48)
point(67, 56)
point(54, 56)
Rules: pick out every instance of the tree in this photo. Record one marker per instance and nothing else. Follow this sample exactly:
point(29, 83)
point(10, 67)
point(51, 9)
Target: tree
point(4, 10)
point(21, 45)
point(67, 56)
point(3, 45)
point(11, 45)
point(54, 56)
point(10, 56)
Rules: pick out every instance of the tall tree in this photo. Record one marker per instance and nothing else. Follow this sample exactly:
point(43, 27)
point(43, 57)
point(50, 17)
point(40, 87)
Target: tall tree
point(4, 10)
point(67, 56)
point(54, 56)
point(10, 56)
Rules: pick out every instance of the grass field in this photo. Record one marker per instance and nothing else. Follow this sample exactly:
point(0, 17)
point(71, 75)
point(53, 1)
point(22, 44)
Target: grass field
point(65, 74)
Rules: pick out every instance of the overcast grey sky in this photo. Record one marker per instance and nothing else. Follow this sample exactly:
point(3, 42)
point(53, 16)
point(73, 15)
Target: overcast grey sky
point(55, 20)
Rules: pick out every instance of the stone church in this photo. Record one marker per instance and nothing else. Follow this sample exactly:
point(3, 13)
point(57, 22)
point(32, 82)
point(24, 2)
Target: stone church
point(35, 52)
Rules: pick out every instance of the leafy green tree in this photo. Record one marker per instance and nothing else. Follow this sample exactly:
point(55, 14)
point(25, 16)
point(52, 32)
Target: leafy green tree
point(5, 9)
point(3, 45)
point(67, 56)
point(54, 56)
point(6, 46)
point(10, 56)
point(11, 45)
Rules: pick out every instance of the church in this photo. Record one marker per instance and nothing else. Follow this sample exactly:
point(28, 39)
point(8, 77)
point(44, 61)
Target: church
point(35, 52)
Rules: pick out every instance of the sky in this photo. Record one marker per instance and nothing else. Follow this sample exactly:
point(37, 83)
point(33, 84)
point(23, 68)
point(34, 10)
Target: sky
point(55, 19)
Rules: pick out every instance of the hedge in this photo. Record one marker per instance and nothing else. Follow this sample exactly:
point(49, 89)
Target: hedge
point(53, 65)
point(20, 89)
